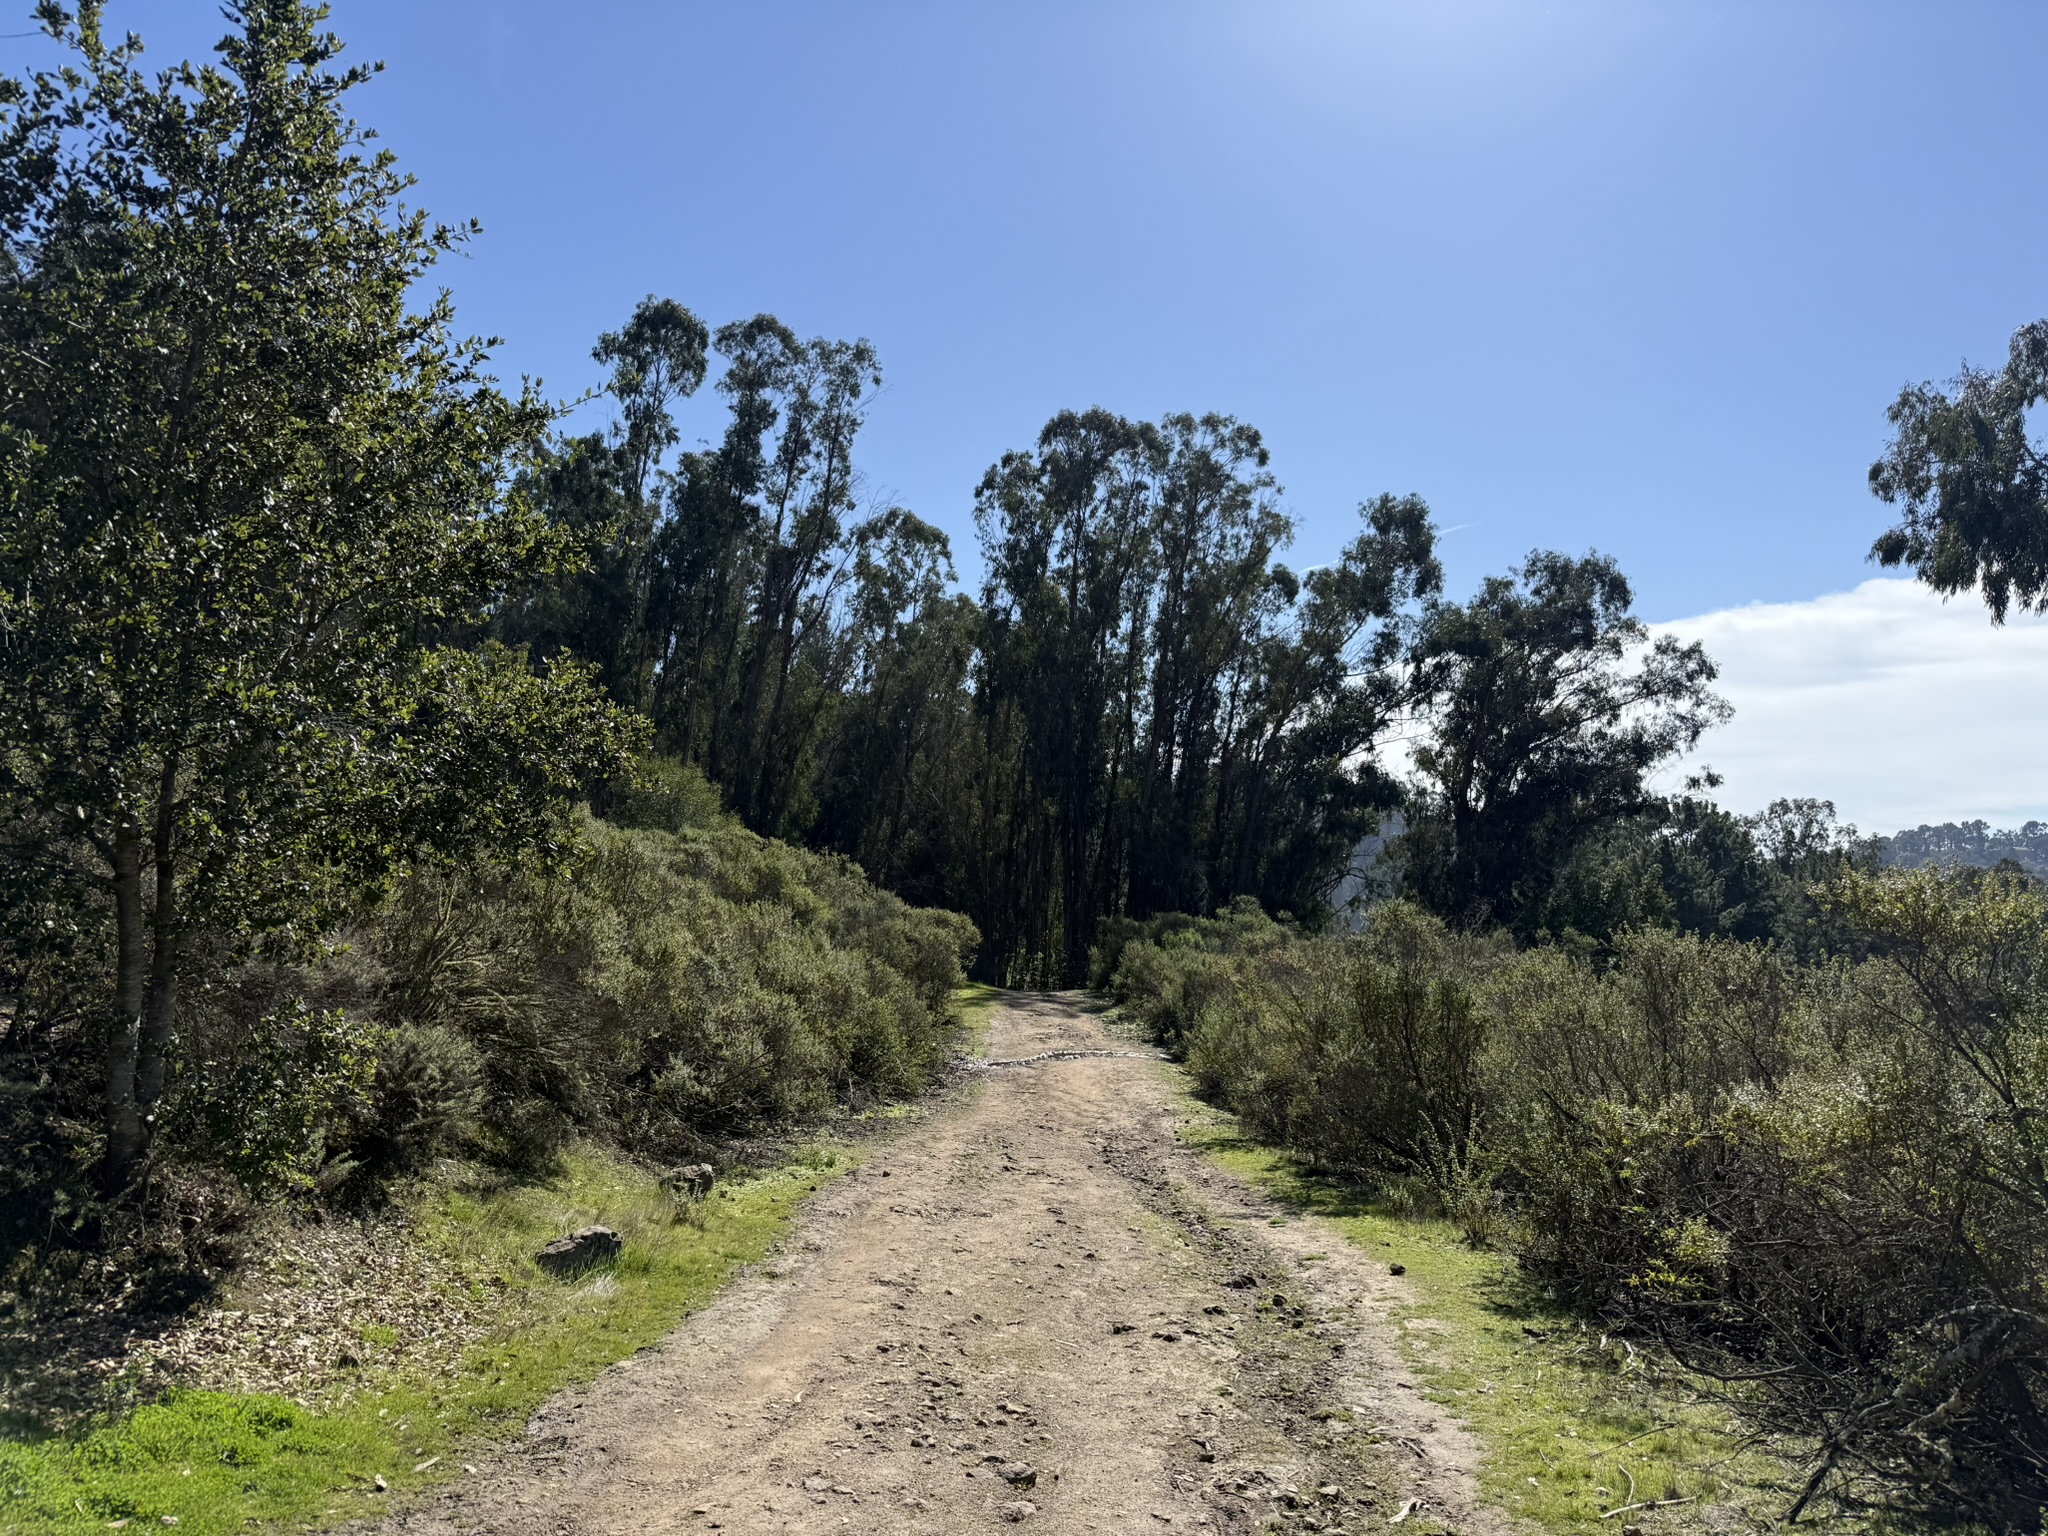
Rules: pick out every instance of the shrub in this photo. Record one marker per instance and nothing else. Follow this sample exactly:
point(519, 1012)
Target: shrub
point(667, 988)
point(658, 988)
point(665, 794)
point(1367, 1053)
point(1824, 1181)
point(1882, 1214)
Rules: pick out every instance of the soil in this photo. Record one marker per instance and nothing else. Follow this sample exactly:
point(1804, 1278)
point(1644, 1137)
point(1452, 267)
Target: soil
point(1035, 1308)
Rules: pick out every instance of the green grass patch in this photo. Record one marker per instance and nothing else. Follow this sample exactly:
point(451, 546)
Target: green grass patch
point(223, 1462)
point(976, 1003)
point(1568, 1420)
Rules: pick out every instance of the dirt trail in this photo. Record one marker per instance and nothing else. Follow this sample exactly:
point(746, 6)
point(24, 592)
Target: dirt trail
point(1036, 1307)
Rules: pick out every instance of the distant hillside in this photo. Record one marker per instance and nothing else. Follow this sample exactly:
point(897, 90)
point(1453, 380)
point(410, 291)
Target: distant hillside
point(1970, 842)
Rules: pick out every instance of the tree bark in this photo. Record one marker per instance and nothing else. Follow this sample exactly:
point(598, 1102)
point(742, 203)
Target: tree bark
point(161, 1006)
point(127, 1134)
point(158, 1015)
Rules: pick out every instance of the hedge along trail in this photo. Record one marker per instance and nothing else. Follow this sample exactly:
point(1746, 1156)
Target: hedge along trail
point(1814, 1180)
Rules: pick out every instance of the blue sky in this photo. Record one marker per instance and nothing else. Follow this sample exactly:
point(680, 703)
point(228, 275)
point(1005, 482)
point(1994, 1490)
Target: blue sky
point(1639, 277)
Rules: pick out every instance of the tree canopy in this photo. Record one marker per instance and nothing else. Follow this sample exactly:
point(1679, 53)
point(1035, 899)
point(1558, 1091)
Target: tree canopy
point(254, 497)
point(1971, 482)
point(1547, 709)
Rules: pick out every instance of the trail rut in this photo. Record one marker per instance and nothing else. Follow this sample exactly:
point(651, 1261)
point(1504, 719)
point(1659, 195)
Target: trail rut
point(1035, 1309)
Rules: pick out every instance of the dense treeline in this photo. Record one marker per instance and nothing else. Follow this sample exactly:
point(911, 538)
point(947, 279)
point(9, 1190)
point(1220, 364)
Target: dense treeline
point(1144, 710)
point(1970, 842)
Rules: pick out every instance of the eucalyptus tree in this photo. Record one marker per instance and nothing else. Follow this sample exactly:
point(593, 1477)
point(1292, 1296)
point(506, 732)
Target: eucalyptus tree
point(1971, 483)
point(1547, 709)
point(1171, 718)
point(792, 662)
point(1068, 542)
point(1301, 771)
point(657, 358)
point(750, 564)
point(250, 490)
point(595, 609)
point(704, 552)
point(1218, 527)
point(899, 747)
point(598, 489)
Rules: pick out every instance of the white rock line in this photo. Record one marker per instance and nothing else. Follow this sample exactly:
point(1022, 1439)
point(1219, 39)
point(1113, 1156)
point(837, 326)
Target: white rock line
point(976, 1065)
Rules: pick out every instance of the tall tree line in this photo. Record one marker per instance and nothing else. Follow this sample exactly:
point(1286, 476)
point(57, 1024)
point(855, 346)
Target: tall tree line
point(1142, 710)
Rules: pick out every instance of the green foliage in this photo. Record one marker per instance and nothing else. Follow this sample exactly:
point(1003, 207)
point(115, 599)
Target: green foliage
point(665, 988)
point(1548, 709)
point(1167, 972)
point(260, 1100)
point(251, 495)
point(1970, 483)
point(590, 610)
point(428, 1095)
point(660, 356)
point(745, 568)
point(658, 991)
point(1366, 1053)
point(1818, 1180)
point(1179, 718)
point(1144, 711)
point(1970, 842)
point(1686, 864)
point(665, 794)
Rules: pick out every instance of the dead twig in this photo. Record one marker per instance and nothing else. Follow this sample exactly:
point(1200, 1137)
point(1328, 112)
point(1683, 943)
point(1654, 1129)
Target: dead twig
point(1596, 1455)
point(1649, 1504)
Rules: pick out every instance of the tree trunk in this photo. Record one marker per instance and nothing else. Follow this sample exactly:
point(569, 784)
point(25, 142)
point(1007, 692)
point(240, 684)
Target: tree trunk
point(160, 1013)
point(127, 1133)
point(160, 1010)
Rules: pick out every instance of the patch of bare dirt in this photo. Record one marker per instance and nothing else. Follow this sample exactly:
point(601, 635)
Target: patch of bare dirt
point(1036, 1310)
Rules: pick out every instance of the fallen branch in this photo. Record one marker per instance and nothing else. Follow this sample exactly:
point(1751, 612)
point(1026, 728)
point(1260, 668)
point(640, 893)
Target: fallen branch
point(1649, 1504)
point(1596, 1455)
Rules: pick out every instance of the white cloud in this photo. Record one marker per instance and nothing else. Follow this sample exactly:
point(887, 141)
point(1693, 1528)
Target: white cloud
point(1898, 707)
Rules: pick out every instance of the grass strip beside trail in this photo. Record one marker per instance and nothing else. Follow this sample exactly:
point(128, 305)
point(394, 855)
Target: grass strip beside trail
point(976, 1005)
point(1569, 1420)
point(220, 1462)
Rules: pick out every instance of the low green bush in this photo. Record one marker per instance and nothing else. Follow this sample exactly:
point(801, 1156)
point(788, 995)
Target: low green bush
point(662, 990)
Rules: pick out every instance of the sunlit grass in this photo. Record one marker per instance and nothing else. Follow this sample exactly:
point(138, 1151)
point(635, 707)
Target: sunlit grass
point(976, 1004)
point(1570, 1422)
point(225, 1462)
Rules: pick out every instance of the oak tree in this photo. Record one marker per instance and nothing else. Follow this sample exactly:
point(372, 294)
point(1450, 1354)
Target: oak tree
point(252, 490)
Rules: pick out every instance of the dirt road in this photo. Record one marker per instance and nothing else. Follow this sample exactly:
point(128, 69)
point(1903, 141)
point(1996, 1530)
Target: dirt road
point(1035, 1308)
